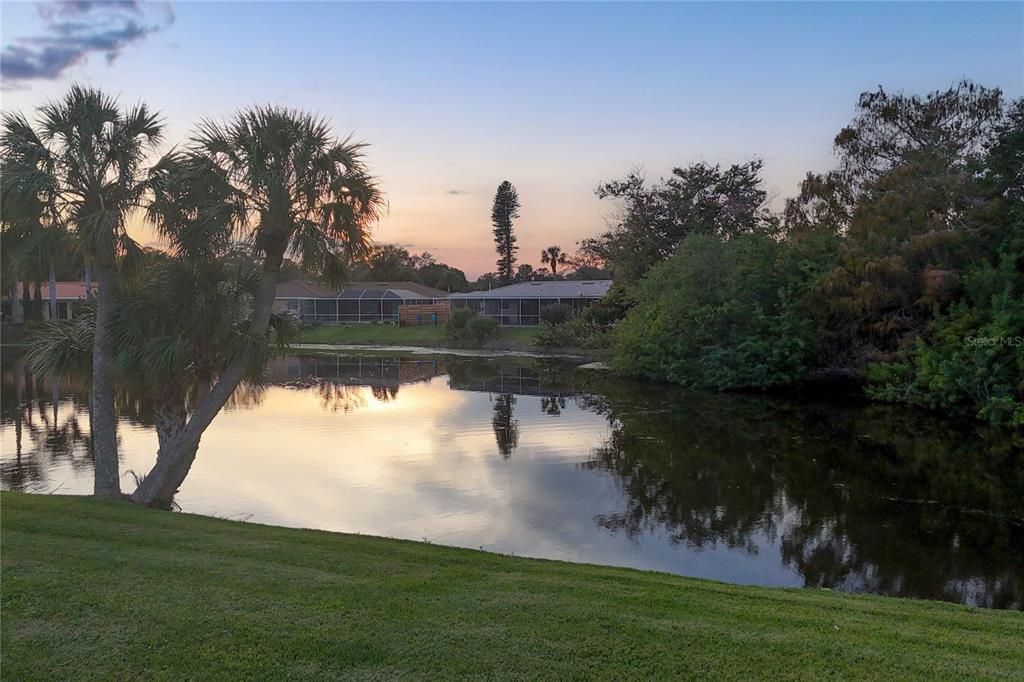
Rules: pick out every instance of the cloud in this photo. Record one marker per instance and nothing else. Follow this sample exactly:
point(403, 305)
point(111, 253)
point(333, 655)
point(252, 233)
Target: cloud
point(456, 192)
point(76, 29)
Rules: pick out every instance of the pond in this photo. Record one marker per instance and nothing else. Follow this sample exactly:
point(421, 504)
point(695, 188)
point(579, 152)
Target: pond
point(539, 458)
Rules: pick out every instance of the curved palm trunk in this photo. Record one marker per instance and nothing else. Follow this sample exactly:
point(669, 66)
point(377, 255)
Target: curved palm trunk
point(179, 450)
point(172, 461)
point(107, 482)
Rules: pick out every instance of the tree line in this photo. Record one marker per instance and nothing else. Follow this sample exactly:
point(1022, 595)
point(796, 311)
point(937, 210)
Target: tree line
point(901, 270)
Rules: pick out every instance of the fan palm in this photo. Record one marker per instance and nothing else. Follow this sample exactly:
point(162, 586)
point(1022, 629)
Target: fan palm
point(553, 256)
point(83, 166)
point(278, 180)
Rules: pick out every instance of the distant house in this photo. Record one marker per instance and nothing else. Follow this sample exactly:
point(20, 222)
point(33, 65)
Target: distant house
point(28, 306)
point(520, 304)
point(357, 302)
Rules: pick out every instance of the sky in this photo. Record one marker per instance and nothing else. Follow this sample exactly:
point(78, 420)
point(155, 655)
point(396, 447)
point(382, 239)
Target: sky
point(556, 98)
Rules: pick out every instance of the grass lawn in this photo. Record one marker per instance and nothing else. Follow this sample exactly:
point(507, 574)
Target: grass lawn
point(509, 338)
point(103, 590)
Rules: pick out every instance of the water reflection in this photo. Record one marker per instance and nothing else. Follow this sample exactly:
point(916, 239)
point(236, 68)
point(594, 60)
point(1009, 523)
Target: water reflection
point(537, 458)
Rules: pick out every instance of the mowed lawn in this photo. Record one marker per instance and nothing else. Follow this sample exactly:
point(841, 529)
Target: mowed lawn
point(511, 338)
point(103, 590)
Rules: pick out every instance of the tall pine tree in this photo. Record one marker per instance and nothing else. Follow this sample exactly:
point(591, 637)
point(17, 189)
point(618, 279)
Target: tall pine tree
point(505, 210)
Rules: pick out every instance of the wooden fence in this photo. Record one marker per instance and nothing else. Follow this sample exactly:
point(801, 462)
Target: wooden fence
point(424, 314)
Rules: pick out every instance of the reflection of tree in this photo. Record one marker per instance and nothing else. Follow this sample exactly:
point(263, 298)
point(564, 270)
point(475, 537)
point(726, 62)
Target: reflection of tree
point(47, 432)
point(552, 405)
point(384, 393)
point(873, 498)
point(506, 426)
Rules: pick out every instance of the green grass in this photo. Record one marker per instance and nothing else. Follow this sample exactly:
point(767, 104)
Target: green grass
point(509, 338)
point(104, 590)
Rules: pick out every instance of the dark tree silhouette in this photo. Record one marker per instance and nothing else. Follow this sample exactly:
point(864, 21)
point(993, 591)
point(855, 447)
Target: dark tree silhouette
point(505, 210)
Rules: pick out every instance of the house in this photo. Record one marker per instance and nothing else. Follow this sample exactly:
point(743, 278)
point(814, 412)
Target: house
point(520, 304)
point(357, 302)
point(24, 302)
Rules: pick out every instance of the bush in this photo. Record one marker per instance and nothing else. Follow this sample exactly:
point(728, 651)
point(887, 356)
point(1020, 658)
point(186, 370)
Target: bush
point(556, 313)
point(576, 332)
point(465, 327)
point(720, 314)
point(972, 362)
point(480, 330)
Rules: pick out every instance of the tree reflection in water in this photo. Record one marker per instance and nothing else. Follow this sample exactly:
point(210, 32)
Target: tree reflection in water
point(853, 497)
point(858, 498)
point(506, 426)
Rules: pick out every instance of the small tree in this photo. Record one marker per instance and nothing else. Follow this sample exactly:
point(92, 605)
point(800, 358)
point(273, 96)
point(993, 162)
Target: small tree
point(505, 210)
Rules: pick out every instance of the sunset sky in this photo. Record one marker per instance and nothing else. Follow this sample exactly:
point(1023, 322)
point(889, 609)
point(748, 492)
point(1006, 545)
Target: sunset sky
point(455, 98)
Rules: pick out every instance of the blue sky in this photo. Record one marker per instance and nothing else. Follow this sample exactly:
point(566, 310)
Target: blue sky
point(454, 98)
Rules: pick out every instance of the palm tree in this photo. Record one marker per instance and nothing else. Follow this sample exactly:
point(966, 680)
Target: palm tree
point(553, 257)
point(84, 165)
point(287, 186)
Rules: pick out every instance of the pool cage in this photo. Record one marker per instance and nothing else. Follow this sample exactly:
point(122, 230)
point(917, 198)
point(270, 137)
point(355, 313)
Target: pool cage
point(521, 304)
point(354, 305)
point(517, 311)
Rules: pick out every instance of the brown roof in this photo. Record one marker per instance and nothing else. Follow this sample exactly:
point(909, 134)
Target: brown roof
point(66, 291)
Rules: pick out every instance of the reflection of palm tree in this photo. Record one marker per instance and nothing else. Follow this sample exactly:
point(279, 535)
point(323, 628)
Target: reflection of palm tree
point(384, 393)
point(506, 426)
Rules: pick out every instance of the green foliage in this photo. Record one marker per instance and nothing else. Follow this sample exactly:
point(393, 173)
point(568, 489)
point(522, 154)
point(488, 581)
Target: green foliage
point(465, 327)
point(972, 361)
point(555, 313)
point(576, 332)
point(697, 199)
point(903, 265)
point(480, 330)
point(720, 314)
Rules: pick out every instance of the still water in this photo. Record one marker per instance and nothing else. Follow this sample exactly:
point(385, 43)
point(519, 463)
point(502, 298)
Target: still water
point(538, 458)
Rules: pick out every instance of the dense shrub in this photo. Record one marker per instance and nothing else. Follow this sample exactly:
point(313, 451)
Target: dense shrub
point(972, 362)
point(480, 330)
point(465, 327)
point(555, 313)
point(579, 331)
point(720, 314)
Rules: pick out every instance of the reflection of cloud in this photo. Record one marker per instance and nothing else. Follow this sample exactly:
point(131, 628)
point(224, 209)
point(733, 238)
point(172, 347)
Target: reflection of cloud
point(74, 30)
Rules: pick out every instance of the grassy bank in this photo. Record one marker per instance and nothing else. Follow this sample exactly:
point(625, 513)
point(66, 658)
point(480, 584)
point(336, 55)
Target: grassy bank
point(103, 590)
point(509, 338)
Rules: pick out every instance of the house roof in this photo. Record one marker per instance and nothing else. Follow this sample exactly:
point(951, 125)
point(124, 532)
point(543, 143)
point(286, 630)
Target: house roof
point(66, 291)
point(557, 289)
point(356, 290)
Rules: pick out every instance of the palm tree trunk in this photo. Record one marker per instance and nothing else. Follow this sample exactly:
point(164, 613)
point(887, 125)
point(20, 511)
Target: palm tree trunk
point(17, 309)
point(179, 451)
point(26, 301)
point(107, 482)
point(172, 462)
point(88, 277)
point(38, 312)
point(53, 292)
